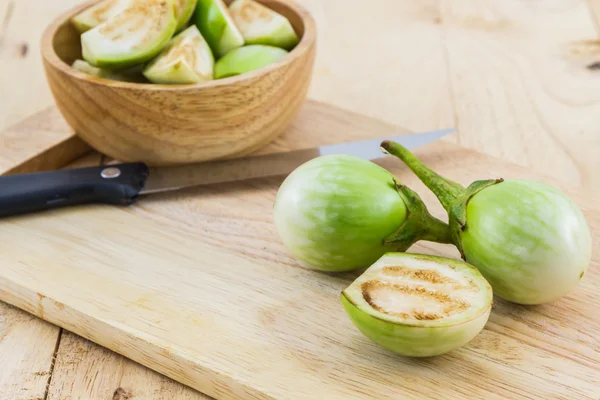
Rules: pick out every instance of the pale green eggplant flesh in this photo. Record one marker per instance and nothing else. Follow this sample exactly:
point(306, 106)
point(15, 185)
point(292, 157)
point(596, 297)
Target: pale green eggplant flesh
point(528, 239)
point(184, 9)
point(214, 22)
point(261, 25)
point(100, 12)
point(186, 59)
point(340, 213)
point(132, 37)
point(246, 59)
point(419, 305)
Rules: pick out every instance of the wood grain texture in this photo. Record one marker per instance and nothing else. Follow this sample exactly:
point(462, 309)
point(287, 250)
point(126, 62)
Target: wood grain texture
point(39, 143)
point(27, 346)
point(595, 13)
point(22, 81)
point(84, 370)
point(97, 371)
point(171, 124)
point(385, 61)
point(209, 290)
point(521, 81)
point(514, 76)
point(404, 82)
point(45, 142)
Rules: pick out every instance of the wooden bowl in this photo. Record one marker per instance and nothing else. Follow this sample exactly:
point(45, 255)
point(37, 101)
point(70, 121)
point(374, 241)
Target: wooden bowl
point(175, 124)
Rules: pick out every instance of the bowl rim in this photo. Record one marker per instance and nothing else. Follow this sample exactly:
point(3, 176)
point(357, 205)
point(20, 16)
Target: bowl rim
point(49, 55)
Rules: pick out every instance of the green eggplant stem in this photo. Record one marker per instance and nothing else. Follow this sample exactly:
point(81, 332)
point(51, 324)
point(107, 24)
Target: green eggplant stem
point(446, 191)
point(452, 195)
point(419, 224)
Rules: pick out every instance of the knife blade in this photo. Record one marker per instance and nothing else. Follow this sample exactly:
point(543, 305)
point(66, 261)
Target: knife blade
point(276, 164)
point(122, 184)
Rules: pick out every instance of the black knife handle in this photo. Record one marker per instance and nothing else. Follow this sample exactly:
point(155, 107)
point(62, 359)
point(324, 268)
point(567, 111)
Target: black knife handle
point(109, 184)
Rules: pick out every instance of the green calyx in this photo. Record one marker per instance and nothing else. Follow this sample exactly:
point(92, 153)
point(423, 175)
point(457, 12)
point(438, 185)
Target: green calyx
point(418, 225)
point(453, 196)
point(457, 217)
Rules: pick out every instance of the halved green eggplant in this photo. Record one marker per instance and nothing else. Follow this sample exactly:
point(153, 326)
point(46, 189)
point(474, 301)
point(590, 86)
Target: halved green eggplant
point(98, 13)
point(186, 59)
point(419, 305)
point(246, 59)
point(215, 23)
point(261, 25)
point(183, 11)
point(131, 37)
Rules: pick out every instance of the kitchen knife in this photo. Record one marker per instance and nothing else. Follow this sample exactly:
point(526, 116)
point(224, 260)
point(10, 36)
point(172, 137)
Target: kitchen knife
point(121, 184)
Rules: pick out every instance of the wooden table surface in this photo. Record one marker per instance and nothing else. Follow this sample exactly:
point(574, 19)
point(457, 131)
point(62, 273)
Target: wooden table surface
point(519, 79)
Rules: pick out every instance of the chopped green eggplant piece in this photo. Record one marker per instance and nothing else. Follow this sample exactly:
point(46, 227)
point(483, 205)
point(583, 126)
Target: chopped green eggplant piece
point(186, 59)
point(98, 13)
point(183, 12)
point(217, 27)
point(246, 59)
point(261, 25)
point(132, 37)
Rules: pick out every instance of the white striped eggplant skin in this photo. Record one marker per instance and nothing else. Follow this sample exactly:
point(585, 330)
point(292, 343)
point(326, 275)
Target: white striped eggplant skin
point(334, 212)
point(186, 59)
point(529, 240)
point(184, 9)
point(98, 13)
point(419, 305)
point(261, 25)
point(341, 213)
point(131, 37)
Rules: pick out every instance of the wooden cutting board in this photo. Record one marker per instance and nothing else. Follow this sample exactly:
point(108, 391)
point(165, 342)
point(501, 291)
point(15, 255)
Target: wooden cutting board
point(197, 285)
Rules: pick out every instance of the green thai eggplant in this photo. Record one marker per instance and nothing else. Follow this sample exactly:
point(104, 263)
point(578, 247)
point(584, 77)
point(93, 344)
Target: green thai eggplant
point(529, 240)
point(341, 213)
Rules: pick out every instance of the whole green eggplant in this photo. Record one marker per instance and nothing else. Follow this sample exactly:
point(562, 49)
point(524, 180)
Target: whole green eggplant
point(341, 213)
point(528, 239)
